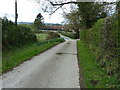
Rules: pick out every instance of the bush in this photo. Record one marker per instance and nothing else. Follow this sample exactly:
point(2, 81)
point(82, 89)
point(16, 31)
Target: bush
point(83, 34)
point(92, 71)
point(109, 45)
point(52, 35)
point(15, 36)
point(103, 39)
point(13, 58)
point(37, 31)
point(92, 36)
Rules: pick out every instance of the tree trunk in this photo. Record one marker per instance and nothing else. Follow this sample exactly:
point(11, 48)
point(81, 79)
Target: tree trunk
point(77, 34)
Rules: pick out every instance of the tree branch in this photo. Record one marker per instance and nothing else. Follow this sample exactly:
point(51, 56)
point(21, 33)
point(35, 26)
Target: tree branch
point(60, 4)
point(56, 10)
point(72, 2)
point(55, 4)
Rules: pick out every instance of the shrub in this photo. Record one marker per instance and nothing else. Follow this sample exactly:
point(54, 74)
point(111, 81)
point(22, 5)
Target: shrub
point(15, 36)
point(83, 34)
point(37, 31)
point(52, 35)
point(109, 45)
point(103, 39)
point(13, 58)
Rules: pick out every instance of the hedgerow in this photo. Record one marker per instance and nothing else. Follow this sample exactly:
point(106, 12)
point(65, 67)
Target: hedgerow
point(103, 40)
point(15, 36)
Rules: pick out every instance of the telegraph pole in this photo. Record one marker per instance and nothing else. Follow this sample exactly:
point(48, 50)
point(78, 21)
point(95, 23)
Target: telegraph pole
point(16, 15)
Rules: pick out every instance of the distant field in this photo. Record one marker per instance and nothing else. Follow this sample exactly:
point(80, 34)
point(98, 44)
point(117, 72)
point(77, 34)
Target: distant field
point(41, 37)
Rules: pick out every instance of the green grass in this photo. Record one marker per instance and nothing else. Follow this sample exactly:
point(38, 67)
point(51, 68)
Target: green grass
point(69, 34)
point(27, 25)
point(41, 37)
point(92, 71)
point(16, 57)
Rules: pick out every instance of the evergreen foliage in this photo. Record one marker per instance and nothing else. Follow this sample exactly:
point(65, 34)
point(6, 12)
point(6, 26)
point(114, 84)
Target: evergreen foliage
point(103, 40)
point(15, 36)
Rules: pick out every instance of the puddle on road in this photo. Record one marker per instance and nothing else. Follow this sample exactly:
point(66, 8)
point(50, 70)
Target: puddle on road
point(61, 53)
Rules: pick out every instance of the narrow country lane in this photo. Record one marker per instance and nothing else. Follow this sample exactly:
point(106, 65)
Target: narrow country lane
point(55, 68)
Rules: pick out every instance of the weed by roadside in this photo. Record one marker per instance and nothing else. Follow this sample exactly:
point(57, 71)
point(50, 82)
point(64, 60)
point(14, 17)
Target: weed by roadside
point(13, 58)
point(94, 76)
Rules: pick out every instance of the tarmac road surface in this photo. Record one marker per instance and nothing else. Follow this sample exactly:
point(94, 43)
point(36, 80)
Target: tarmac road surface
point(55, 68)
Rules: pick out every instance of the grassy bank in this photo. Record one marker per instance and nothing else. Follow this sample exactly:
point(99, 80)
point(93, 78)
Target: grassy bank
point(16, 57)
point(41, 37)
point(69, 34)
point(93, 74)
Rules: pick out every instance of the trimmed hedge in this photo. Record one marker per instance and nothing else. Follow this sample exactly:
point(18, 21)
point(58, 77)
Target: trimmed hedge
point(103, 40)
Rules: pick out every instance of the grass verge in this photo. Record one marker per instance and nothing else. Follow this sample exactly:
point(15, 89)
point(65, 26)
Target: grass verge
point(94, 76)
point(69, 34)
point(16, 57)
point(42, 36)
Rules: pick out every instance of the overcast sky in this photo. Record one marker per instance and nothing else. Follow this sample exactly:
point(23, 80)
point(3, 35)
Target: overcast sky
point(27, 11)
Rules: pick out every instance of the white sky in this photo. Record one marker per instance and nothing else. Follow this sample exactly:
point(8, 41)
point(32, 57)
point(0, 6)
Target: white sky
point(27, 11)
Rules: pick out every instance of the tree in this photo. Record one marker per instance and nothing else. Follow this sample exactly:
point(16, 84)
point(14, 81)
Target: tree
point(84, 18)
point(38, 23)
point(74, 21)
point(90, 12)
